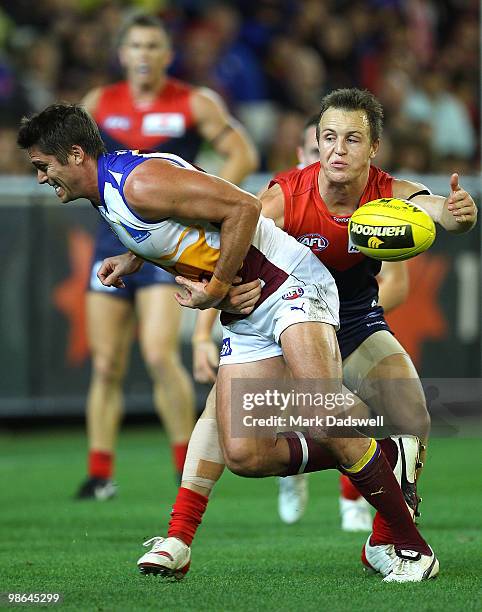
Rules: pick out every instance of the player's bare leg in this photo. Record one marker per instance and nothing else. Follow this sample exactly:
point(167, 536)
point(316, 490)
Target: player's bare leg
point(109, 330)
point(159, 330)
point(253, 456)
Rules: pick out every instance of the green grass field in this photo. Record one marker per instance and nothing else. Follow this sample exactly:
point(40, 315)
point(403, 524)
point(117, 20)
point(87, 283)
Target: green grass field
point(243, 557)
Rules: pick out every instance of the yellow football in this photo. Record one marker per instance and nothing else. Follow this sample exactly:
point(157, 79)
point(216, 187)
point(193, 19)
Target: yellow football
point(391, 229)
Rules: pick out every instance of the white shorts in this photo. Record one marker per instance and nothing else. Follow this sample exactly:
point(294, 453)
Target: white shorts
point(308, 294)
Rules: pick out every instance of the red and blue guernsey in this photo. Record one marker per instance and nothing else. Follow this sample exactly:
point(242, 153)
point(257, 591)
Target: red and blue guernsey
point(165, 125)
point(307, 218)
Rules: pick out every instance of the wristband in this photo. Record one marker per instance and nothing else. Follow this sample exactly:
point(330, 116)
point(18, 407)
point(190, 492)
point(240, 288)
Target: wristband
point(217, 288)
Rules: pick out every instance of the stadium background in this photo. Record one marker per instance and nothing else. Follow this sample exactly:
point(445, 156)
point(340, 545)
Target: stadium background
point(271, 60)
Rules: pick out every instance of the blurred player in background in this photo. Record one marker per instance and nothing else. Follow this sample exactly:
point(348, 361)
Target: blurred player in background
point(318, 201)
point(149, 110)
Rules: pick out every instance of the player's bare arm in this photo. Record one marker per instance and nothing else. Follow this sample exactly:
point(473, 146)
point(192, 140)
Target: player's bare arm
point(273, 205)
point(244, 297)
point(456, 213)
point(226, 135)
point(156, 189)
point(393, 284)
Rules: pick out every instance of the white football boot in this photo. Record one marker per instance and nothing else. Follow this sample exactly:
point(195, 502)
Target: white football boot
point(292, 498)
point(355, 514)
point(411, 566)
point(378, 559)
point(168, 557)
point(381, 558)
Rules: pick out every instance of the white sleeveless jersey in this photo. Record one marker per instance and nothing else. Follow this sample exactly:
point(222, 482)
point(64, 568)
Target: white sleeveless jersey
point(188, 247)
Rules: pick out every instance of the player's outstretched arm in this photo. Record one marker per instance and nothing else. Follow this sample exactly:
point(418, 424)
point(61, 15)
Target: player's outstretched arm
point(456, 213)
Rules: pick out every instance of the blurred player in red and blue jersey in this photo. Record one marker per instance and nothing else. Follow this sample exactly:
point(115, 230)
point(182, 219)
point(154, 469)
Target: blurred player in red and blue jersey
point(148, 110)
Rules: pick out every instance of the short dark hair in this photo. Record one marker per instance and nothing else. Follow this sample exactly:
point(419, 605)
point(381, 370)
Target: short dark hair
point(58, 128)
point(142, 20)
point(355, 99)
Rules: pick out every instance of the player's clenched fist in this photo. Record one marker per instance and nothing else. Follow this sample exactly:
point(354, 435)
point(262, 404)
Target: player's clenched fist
point(460, 203)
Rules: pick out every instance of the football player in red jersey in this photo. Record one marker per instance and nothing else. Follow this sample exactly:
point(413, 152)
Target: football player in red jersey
point(393, 290)
point(148, 110)
point(319, 200)
point(293, 493)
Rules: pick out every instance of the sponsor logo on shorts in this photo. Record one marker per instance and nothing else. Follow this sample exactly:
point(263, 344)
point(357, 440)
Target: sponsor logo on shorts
point(226, 348)
point(302, 307)
point(316, 242)
point(293, 294)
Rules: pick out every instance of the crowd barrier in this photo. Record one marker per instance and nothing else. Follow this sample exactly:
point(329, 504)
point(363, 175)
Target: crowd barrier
point(45, 265)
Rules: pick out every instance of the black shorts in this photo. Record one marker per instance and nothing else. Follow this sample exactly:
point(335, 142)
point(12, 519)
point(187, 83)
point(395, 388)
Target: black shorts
point(355, 328)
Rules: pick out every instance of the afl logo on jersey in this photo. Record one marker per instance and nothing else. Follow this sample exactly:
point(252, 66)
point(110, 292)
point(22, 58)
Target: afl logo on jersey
point(293, 294)
point(316, 242)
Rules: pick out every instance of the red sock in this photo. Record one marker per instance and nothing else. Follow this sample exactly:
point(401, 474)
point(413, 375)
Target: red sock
point(347, 489)
point(186, 515)
point(379, 487)
point(179, 452)
point(381, 532)
point(101, 464)
point(306, 455)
